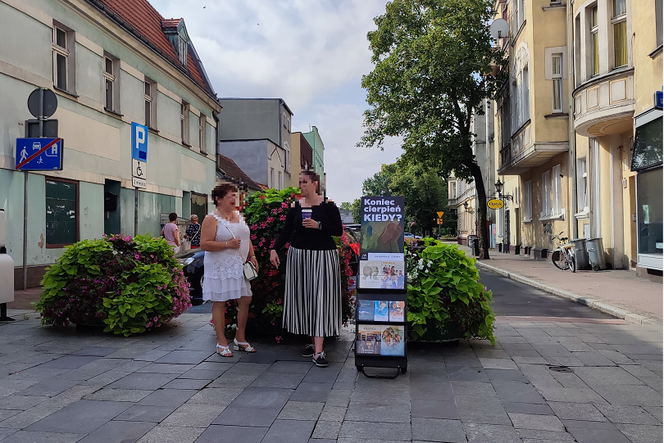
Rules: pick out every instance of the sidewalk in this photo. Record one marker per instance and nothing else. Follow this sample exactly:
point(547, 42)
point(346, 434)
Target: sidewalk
point(616, 292)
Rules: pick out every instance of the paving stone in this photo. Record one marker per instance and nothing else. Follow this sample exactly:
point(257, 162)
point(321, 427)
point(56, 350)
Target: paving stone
point(233, 381)
point(34, 436)
point(291, 367)
point(215, 396)
point(466, 373)
point(322, 440)
point(594, 432)
point(146, 413)
point(484, 433)
point(434, 429)
point(118, 432)
point(192, 415)
point(506, 374)
point(338, 398)
point(168, 397)
point(434, 409)
point(533, 435)
point(377, 412)
point(472, 388)
point(232, 434)
point(593, 358)
point(152, 355)
point(627, 414)
point(517, 392)
point(290, 431)
point(144, 381)
point(166, 368)
point(364, 431)
point(326, 430)
point(655, 411)
point(190, 383)
point(539, 422)
point(6, 432)
point(278, 380)
point(534, 360)
point(641, 433)
point(571, 395)
point(96, 351)
point(299, 410)
point(39, 373)
point(6, 413)
point(594, 376)
point(68, 362)
point(636, 395)
point(21, 402)
point(165, 434)
point(49, 388)
point(577, 411)
point(241, 416)
point(105, 394)
point(81, 417)
point(329, 375)
point(487, 411)
point(333, 413)
point(203, 374)
point(497, 363)
point(187, 357)
point(316, 392)
point(527, 408)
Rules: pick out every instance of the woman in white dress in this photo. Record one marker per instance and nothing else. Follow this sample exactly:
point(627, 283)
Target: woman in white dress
point(225, 240)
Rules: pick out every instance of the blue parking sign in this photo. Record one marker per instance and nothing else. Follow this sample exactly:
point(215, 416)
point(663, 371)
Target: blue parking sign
point(139, 142)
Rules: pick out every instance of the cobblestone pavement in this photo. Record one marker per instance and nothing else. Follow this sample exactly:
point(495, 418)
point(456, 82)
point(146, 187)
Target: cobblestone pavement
point(68, 385)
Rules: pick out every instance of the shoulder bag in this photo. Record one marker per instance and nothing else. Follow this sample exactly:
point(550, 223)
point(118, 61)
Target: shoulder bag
point(248, 268)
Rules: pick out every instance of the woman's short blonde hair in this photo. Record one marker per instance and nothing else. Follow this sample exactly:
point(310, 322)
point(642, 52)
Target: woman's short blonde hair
point(193, 217)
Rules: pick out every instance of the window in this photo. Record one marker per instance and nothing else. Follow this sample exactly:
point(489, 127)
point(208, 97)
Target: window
point(63, 58)
point(619, 22)
point(546, 195)
point(272, 185)
point(112, 83)
point(521, 89)
point(453, 190)
point(150, 97)
point(202, 139)
point(556, 185)
point(280, 181)
point(182, 50)
point(581, 185)
point(557, 77)
point(594, 42)
point(184, 123)
point(520, 14)
point(528, 201)
point(61, 212)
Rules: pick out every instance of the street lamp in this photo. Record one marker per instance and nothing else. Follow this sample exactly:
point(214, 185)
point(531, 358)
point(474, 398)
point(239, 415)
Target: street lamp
point(499, 189)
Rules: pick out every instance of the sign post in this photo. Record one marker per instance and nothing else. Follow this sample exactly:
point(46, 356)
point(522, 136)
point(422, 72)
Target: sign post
point(139, 164)
point(381, 315)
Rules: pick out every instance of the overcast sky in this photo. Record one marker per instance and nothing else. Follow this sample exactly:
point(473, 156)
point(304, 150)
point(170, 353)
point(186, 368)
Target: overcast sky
point(311, 53)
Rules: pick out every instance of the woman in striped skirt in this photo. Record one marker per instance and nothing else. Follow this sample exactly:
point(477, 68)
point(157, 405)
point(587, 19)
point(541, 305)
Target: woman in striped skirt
point(312, 299)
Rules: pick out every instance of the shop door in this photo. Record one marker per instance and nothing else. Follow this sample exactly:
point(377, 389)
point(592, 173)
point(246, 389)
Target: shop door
point(111, 207)
point(506, 237)
point(199, 205)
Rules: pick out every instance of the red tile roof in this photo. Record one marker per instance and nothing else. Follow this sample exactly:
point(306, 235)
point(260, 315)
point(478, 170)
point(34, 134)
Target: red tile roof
point(143, 20)
point(234, 173)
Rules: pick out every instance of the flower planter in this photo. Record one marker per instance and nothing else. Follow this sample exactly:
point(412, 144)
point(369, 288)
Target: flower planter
point(448, 332)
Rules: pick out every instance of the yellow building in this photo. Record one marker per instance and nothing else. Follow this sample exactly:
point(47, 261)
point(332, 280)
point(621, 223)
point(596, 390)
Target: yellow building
point(532, 128)
point(301, 157)
point(617, 69)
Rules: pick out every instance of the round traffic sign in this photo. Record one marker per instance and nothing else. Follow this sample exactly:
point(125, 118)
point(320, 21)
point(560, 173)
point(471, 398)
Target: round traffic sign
point(495, 203)
point(50, 101)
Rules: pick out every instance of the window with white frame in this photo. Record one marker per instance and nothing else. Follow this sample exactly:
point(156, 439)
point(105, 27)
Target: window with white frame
point(280, 180)
point(64, 68)
point(521, 89)
point(581, 185)
point(150, 98)
point(556, 190)
point(111, 76)
point(453, 190)
point(619, 23)
point(202, 139)
point(184, 123)
point(272, 184)
point(527, 201)
point(287, 156)
point(182, 50)
point(546, 195)
point(594, 41)
point(520, 13)
point(557, 79)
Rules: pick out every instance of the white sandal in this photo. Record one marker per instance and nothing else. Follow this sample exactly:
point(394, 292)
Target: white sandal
point(247, 347)
point(225, 351)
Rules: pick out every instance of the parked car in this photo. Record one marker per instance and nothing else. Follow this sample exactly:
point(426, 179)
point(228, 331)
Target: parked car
point(192, 263)
point(411, 235)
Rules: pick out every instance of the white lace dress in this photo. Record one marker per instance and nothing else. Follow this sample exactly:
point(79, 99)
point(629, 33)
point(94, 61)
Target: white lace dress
point(224, 278)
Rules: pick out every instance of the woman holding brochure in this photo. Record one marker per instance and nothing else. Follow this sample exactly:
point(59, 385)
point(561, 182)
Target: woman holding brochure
point(312, 299)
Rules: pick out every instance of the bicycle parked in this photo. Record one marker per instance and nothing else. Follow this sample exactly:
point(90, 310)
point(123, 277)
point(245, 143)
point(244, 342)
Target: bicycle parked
point(563, 256)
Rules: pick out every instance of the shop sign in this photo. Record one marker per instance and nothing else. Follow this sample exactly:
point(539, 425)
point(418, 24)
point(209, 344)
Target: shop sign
point(495, 203)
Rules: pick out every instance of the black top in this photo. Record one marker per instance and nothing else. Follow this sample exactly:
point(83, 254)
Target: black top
point(194, 234)
point(300, 237)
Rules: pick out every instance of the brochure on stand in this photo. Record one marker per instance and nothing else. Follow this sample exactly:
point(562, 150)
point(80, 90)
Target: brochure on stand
point(388, 340)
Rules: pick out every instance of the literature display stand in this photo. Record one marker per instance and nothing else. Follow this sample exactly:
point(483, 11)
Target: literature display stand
point(382, 302)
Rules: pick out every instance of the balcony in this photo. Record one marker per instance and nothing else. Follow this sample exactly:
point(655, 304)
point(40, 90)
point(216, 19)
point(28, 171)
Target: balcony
point(522, 154)
point(604, 105)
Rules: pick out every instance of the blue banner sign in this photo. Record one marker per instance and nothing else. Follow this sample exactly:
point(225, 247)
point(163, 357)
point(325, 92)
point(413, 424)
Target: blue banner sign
point(38, 154)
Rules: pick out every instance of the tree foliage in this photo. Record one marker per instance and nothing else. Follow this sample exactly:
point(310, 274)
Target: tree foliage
point(432, 60)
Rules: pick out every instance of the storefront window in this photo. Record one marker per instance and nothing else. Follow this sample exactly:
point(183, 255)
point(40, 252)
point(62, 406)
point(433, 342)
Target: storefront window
point(647, 145)
point(649, 204)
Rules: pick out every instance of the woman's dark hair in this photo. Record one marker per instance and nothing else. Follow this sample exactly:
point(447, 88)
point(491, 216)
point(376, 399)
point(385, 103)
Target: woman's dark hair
point(313, 177)
point(221, 191)
point(172, 216)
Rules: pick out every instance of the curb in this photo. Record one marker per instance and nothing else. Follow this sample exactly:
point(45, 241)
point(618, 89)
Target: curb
point(587, 301)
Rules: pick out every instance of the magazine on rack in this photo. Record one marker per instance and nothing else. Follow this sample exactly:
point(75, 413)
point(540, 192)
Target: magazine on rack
point(365, 310)
point(381, 312)
point(397, 309)
point(381, 340)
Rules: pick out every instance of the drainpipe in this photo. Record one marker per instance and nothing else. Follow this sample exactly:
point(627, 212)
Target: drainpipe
point(572, 134)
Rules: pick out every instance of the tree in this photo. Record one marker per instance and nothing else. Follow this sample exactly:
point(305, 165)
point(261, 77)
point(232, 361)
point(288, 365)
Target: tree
point(432, 60)
point(354, 208)
point(379, 183)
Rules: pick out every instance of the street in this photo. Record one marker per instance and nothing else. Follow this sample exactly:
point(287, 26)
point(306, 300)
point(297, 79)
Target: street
point(581, 376)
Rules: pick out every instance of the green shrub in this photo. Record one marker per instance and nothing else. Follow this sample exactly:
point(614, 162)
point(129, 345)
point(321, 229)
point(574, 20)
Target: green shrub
point(130, 285)
point(444, 290)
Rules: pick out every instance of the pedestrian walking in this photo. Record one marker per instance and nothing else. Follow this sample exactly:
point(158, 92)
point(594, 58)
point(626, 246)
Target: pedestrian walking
point(312, 298)
point(170, 231)
point(193, 233)
point(225, 240)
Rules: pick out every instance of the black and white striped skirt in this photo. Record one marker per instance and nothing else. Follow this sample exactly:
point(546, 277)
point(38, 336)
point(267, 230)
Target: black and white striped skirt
point(312, 299)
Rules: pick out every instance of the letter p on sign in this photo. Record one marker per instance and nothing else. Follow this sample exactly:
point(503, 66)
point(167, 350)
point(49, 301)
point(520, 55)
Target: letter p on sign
point(139, 142)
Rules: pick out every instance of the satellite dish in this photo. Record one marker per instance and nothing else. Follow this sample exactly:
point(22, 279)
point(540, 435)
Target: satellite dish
point(499, 29)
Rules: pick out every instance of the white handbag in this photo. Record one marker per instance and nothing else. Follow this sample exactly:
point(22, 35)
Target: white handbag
point(248, 269)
